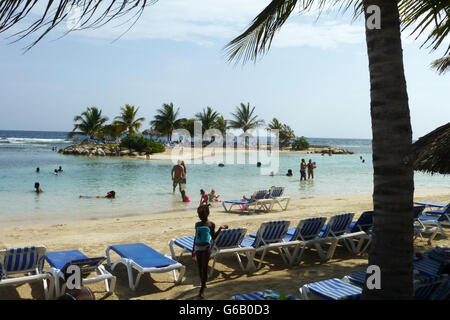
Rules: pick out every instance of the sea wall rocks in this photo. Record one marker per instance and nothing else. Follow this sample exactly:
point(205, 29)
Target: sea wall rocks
point(100, 150)
point(328, 150)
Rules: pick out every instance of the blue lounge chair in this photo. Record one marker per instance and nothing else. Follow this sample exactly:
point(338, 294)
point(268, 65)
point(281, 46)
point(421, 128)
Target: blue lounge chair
point(420, 228)
point(269, 237)
point(275, 196)
point(59, 261)
point(429, 288)
point(335, 230)
point(439, 219)
point(27, 261)
point(300, 238)
point(260, 295)
point(228, 241)
point(431, 204)
point(145, 260)
point(246, 205)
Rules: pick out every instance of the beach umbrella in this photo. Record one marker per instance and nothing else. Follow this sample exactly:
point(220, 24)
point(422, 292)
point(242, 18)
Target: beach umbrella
point(431, 153)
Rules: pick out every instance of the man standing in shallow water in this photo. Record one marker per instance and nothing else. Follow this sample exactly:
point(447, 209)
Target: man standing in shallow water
point(177, 175)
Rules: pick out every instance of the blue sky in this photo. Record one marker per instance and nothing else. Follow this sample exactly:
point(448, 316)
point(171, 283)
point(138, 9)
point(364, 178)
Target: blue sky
point(315, 77)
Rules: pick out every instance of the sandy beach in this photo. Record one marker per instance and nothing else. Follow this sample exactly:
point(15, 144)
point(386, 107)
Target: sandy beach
point(93, 236)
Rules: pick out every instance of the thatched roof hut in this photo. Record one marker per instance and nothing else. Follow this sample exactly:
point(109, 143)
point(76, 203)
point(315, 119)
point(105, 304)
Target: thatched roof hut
point(431, 153)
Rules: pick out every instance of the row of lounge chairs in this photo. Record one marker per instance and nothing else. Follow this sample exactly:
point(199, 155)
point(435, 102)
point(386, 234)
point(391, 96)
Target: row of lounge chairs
point(429, 284)
point(271, 235)
point(29, 263)
point(434, 218)
point(289, 242)
point(263, 200)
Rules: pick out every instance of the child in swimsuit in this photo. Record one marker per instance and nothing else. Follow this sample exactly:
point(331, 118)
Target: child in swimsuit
point(213, 197)
point(204, 197)
point(184, 196)
point(204, 233)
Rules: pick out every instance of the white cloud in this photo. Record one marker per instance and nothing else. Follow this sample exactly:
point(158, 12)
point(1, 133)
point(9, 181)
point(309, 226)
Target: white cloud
point(208, 21)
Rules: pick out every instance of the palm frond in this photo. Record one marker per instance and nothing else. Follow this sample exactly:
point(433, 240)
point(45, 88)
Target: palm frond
point(427, 15)
point(257, 39)
point(441, 65)
point(93, 14)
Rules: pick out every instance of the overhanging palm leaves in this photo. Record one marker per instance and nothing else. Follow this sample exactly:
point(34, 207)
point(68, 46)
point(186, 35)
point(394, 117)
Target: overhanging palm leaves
point(256, 40)
point(441, 65)
point(166, 120)
point(93, 14)
point(90, 123)
point(244, 118)
point(127, 120)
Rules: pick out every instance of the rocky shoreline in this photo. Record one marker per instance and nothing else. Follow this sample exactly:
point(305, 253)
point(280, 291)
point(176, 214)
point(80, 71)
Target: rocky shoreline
point(328, 150)
point(102, 150)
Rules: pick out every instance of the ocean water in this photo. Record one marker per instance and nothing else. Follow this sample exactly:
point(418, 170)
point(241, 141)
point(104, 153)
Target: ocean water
point(145, 187)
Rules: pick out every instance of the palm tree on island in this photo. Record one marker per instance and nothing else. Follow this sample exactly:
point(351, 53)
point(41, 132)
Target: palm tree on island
point(222, 125)
point(167, 120)
point(127, 120)
point(90, 123)
point(244, 118)
point(207, 117)
point(285, 133)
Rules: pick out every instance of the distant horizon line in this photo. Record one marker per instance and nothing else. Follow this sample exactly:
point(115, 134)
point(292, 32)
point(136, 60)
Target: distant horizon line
point(21, 130)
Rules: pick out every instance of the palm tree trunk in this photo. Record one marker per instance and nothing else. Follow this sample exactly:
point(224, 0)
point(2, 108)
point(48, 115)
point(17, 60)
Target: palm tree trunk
point(392, 247)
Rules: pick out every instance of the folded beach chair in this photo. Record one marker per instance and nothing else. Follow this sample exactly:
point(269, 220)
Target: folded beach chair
point(269, 237)
point(441, 219)
point(145, 260)
point(428, 288)
point(275, 196)
point(27, 261)
point(420, 228)
point(59, 261)
point(246, 205)
point(227, 242)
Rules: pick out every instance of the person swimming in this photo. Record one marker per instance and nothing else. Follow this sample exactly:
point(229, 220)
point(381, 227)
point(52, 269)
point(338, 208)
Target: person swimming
point(109, 195)
point(60, 169)
point(37, 170)
point(37, 187)
point(289, 173)
point(55, 172)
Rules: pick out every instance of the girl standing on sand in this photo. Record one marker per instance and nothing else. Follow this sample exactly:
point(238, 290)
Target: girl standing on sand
point(201, 251)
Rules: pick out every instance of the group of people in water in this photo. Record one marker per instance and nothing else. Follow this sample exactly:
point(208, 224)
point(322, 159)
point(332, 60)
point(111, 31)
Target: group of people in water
point(37, 186)
point(179, 178)
point(38, 189)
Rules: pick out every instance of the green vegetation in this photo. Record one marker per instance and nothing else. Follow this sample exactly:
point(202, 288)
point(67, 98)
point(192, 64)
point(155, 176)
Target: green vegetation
point(127, 120)
point(300, 144)
point(89, 123)
point(140, 144)
point(285, 133)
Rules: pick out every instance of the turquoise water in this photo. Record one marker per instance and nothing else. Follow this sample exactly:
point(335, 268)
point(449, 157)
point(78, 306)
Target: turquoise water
point(144, 187)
